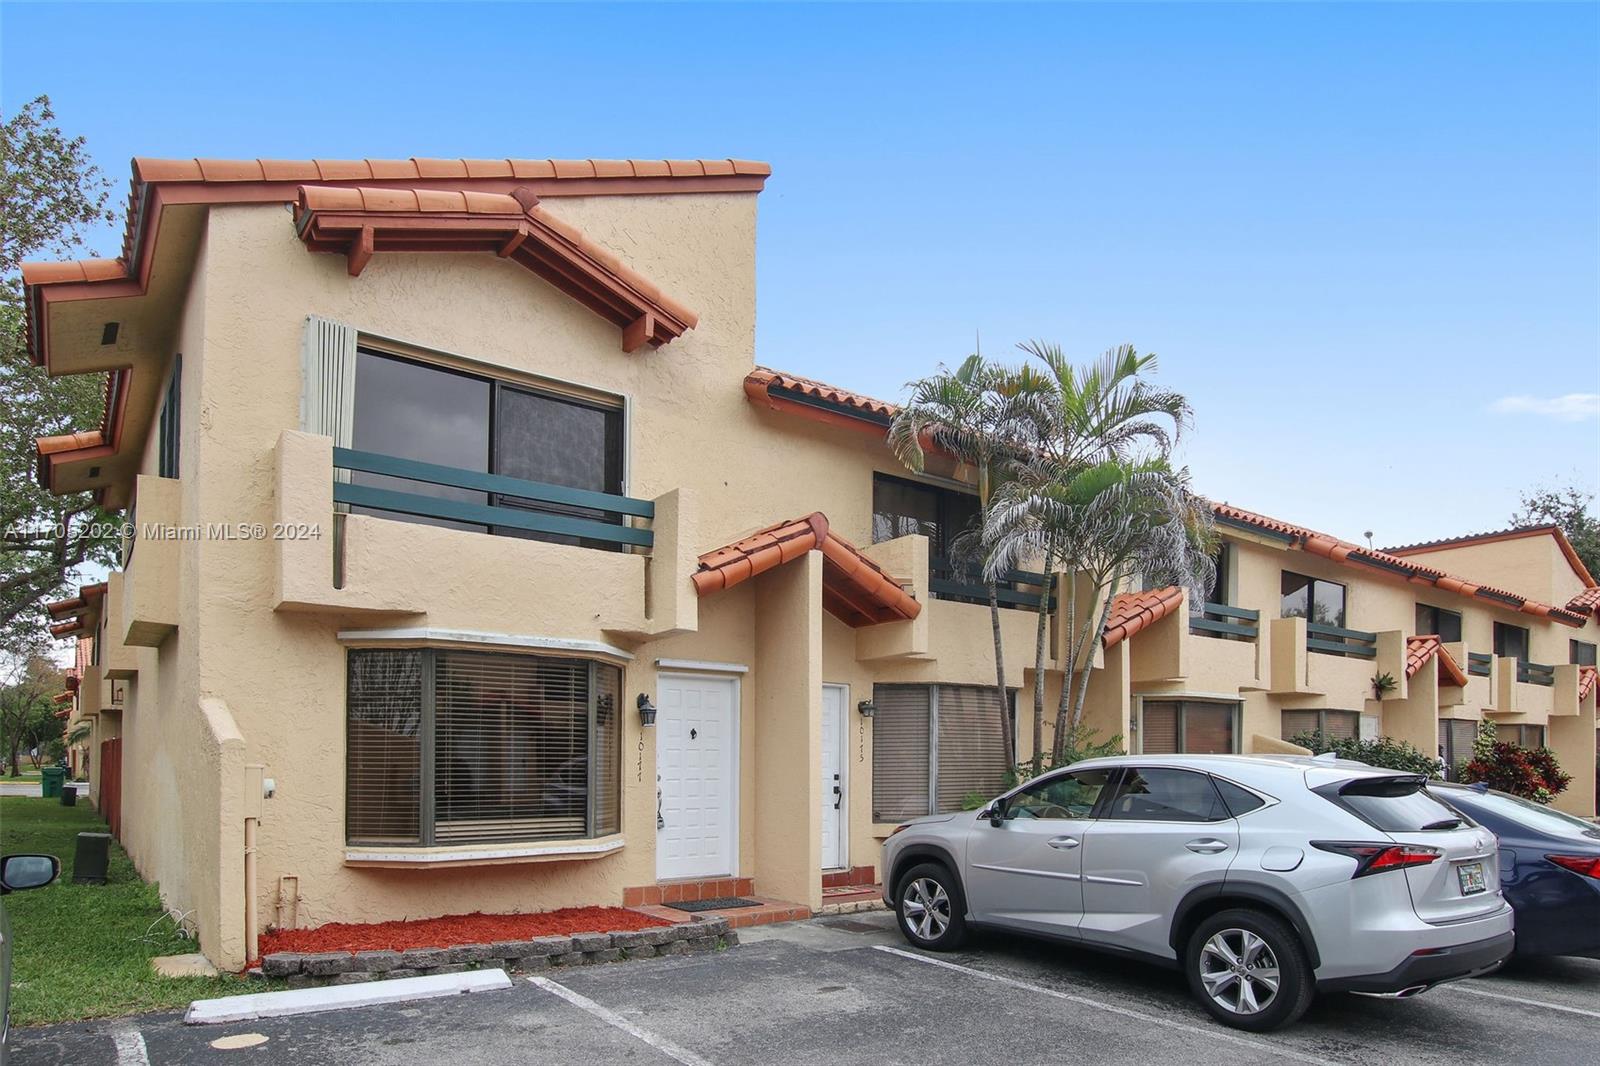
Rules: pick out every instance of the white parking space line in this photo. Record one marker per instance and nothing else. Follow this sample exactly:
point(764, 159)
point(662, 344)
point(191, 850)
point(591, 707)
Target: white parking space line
point(130, 1048)
point(612, 1018)
point(1458, 987)
point(1112, 1008)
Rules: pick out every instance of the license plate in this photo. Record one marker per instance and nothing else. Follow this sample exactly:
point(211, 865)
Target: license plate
point(1472, 879)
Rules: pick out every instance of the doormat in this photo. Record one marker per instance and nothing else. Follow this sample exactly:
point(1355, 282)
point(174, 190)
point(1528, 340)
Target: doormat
point(725, 903)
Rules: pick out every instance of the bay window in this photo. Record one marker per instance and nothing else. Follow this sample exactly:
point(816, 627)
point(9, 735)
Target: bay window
point(457, 747)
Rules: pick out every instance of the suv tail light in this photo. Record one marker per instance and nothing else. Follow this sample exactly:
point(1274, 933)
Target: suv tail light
point(1376, 858)
point(1587, 865)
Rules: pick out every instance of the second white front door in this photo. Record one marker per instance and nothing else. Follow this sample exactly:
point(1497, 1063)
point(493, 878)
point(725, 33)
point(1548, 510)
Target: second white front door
point(834, 722)
point(695, 776)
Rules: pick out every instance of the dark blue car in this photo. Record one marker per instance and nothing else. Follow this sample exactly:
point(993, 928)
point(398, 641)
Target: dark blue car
point(1549, 868)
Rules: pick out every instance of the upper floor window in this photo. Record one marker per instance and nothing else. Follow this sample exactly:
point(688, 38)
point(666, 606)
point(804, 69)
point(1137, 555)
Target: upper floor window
point(167, 425)
point(901, 508)
point(1511, 642)
point(431, 414)
point(455, 747)
point(1438, 621)
point(1581, 652)
point(1313, 599)
point(1222, 580)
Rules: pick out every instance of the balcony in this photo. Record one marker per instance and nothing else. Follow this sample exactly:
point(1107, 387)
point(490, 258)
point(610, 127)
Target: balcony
point(1479, 664)
point(149, 611)
point(512, 501)
point(1336, 640)
point(1535, 673)
point(573, 563)
point(949, 580)
point(1228, 623)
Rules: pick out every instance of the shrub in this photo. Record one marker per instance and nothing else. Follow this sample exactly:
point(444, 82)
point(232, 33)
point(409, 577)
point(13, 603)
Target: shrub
point(1531, 773)
point(1386, 752)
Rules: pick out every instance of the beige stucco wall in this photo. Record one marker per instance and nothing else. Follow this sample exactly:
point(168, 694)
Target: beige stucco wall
point(1529, 566)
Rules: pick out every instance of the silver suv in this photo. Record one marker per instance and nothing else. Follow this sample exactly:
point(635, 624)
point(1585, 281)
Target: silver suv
point(1265, 878)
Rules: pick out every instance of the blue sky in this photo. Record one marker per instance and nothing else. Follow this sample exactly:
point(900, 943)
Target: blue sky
point(1355, 234)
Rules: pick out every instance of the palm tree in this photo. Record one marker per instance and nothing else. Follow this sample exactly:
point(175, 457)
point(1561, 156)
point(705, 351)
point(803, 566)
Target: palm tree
point(1093, 496)
point(970, 414)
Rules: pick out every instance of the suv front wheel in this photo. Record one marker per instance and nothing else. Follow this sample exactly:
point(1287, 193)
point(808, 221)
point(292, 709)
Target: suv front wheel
point(931, 909)
point(1248, 969)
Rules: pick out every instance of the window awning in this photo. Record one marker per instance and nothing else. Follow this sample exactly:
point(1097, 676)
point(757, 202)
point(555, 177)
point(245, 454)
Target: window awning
point(1133, 611)
point(854, 588)
point(1419, 650)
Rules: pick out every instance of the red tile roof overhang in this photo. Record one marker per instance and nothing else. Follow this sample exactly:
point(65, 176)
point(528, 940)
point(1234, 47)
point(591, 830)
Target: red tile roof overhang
point(358, 222)
point(1420, 649)
point(1393, 566)
point(813, 400)
point(854, 588)
point(1546, 530)
point(1134, 611)
point(1585, 602)
point(87, 445)
point(1588, 677)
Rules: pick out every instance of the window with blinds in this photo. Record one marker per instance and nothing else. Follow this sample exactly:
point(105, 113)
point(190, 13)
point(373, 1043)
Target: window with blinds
point(901, 750)
point(452, 747)
point(1334, 725)
point(1188, 727)
point(1455, 743)
point(932, 747)
point(1523, 736)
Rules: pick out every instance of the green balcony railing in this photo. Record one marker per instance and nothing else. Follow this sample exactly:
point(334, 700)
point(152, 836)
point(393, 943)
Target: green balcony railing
point(1221, 620)
point(1019, 589)
point(1335, 640)
point(1478, 663)
point(1535, 673)
point(513, 503)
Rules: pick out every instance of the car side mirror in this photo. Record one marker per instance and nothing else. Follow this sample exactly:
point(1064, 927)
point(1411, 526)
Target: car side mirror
point(997, 815)
point(19, 872)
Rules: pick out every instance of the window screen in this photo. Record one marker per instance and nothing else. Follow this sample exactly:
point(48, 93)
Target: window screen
point(971, 749)
point(1511, 642)
point(1170, 727)
point(900, 751)
point(1455, 742)
point(383, 754)
point(1438, 621)
point(1334, 725)
point(556, 441)
point(520, 747)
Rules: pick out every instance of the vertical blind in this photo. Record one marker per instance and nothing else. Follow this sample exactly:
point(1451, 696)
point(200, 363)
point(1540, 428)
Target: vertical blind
point(456, 747)
point(971, 749)
point(901, 748)
point(932, 747)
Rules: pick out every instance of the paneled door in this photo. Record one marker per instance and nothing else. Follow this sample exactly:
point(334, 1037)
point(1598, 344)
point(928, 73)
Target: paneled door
point(695, 766)
point(834, 723)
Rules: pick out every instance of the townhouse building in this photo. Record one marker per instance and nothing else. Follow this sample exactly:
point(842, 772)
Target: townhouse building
point(473, 564)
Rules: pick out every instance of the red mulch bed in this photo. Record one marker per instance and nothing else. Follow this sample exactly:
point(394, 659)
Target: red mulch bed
point(452, 929)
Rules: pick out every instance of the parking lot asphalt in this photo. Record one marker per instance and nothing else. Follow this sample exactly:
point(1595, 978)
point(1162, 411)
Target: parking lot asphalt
point(848, 990)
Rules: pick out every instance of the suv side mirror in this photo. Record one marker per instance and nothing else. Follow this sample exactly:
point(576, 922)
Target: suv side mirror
point(997, 815)
point(18, 872)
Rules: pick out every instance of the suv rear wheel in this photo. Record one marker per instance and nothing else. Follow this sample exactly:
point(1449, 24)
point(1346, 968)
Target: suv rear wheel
point(931, 908)
point(1248, 970)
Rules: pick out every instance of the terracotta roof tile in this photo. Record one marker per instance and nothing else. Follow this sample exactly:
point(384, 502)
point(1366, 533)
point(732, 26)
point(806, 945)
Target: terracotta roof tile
point(1588, 677)
point(760, 382)
point(1134, 611)
point(1585, 602)
point(1348, 554)
point(854, 588)
point(1420, 649)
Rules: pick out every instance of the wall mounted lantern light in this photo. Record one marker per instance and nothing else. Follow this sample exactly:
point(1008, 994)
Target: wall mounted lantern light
point(647, 710)
point(867, 708)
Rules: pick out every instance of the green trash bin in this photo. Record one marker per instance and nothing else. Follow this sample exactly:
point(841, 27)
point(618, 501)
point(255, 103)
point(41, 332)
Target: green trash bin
point(52, 777)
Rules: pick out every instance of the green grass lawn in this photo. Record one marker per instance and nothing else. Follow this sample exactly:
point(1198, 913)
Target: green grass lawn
point(26, 773)
point(83, 951)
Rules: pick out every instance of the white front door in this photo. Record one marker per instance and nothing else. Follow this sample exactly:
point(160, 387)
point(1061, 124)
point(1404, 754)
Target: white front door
point(834, 698)
point(695, 776)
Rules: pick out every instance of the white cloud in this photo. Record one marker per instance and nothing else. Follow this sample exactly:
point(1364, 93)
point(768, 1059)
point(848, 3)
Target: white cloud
point(1573, 407)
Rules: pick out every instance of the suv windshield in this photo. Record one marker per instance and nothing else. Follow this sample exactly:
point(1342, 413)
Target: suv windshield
point(1393, 804)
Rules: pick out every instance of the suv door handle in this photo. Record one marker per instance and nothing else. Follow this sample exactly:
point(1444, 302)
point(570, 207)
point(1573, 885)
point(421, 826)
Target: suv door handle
point(1063, 843)
point(1206, 846)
